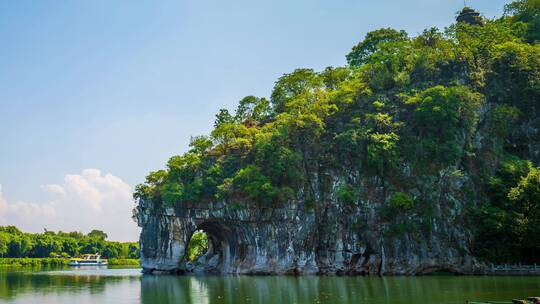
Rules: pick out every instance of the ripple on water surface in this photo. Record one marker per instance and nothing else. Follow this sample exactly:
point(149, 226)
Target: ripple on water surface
point(94, 271)
point(105, 285)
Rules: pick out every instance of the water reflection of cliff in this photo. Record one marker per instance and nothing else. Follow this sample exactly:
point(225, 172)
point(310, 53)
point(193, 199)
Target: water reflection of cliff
point(251, 289)
point(129, 287)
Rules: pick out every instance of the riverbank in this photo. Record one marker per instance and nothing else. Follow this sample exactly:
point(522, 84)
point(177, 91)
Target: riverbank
point(517, 269)
point(59, 262)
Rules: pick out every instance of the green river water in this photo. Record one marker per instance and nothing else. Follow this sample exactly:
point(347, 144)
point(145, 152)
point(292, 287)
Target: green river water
point(117, 285)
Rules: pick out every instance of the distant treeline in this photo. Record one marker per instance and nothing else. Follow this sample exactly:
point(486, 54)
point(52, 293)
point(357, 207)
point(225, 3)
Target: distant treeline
point(17, 244)
point(47, 262)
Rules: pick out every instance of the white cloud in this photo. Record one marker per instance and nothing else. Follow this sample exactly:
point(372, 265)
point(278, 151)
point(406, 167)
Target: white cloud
point(54, 188)
point(86, 201)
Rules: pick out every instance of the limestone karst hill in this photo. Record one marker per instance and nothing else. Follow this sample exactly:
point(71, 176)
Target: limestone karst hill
point(419, 155)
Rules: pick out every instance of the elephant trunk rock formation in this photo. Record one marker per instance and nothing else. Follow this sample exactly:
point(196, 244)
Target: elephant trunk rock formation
point(246, 239)
point(421, 154)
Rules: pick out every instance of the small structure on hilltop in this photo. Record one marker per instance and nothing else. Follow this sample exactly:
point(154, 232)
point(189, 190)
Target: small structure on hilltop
point(470, 16)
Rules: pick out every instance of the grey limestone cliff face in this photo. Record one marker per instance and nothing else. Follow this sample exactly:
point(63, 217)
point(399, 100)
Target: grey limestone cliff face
point(328, 238)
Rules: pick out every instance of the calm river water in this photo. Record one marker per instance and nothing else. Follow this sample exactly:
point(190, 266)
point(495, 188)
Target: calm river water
point(129, 286)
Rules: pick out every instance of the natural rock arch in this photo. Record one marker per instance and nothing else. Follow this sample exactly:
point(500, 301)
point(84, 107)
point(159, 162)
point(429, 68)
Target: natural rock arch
point(227, 248)
point(293, 240)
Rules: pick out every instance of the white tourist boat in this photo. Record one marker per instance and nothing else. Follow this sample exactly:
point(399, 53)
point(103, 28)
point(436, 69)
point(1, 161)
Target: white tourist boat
point(88, 260)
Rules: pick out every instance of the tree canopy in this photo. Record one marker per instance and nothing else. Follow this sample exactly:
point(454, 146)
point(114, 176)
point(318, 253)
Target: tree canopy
point(17, 244)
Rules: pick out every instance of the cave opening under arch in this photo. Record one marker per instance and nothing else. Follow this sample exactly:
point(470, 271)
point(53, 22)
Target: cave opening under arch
point(226, 248)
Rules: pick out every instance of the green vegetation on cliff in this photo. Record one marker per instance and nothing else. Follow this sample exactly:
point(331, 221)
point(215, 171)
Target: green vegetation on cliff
point(462, 101)
point(16, 244)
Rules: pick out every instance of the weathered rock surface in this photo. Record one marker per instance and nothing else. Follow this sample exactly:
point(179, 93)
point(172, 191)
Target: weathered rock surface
point(330, 238)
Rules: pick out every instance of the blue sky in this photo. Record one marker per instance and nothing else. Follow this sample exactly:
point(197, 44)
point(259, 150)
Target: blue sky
point(120, 86)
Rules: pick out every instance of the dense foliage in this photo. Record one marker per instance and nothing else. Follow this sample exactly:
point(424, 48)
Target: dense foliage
point(17, 244)
point(403, 110)
point(197, 245)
